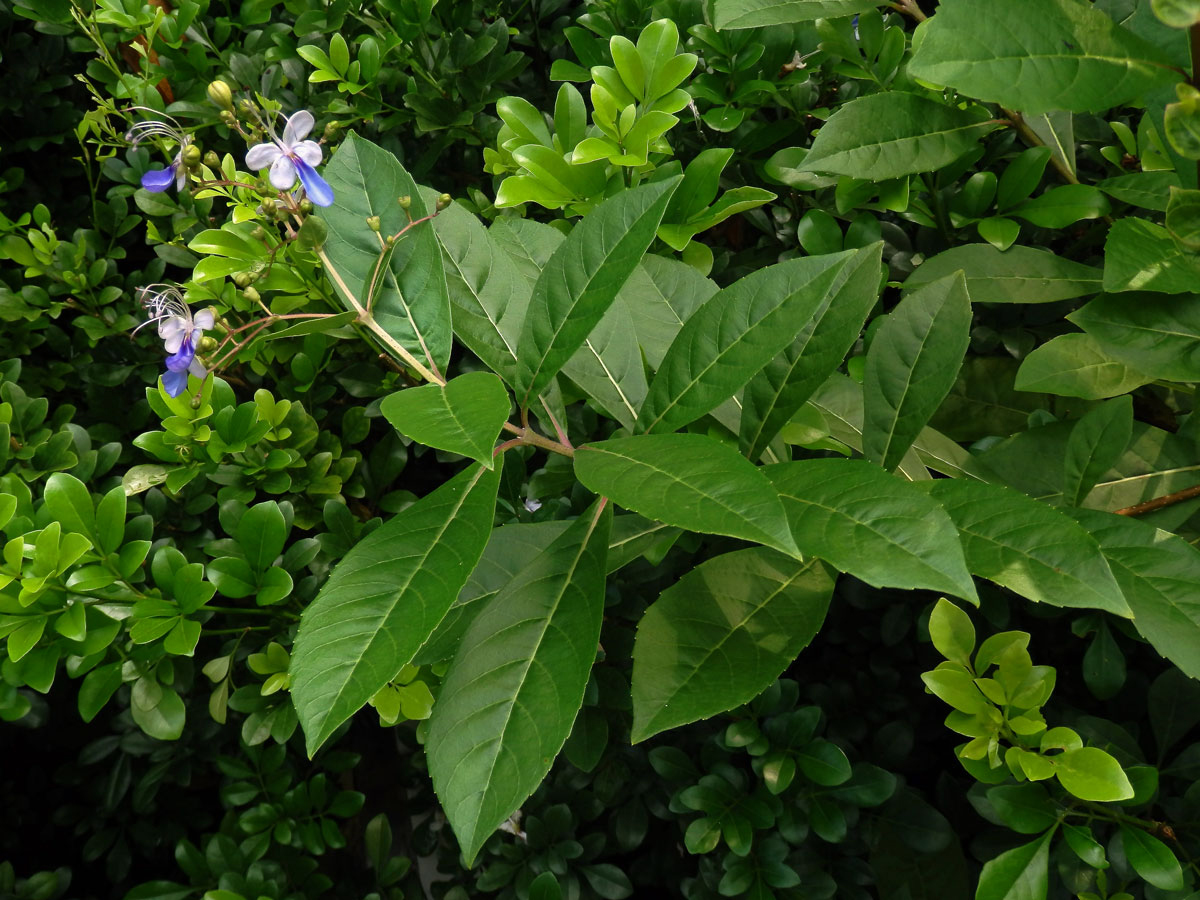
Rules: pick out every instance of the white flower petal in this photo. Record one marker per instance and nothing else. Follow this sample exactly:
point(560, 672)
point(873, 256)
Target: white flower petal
point(172, 343)
point(309, 151)
point(283, 173)
point(197, 368)
point(297, 128)
point(171, 326)
point(203, 320)
point(262, 155)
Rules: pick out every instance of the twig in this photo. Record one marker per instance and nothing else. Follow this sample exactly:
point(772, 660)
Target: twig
point(1160, 502)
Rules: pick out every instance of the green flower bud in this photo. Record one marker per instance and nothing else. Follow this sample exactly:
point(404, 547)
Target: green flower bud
point(207, 344)
point(212, 160)
point(196, 401)
point(332, 130)
point(243, 279)
point(405, 201)
point(373, 223)
point(228, 118)
point(251, 294)
point(191, 156)
point(443, 201)
point(306, 206)
point(247, 107)
point(220, 95)
point(259, 233)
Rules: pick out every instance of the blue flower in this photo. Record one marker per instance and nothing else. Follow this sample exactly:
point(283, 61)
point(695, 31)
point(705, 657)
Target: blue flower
point(158, 180)
point(292, 156)
point(180, 332)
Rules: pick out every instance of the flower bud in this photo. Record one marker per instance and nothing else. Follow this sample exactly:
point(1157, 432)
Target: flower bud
point(191, 156)
point(443, 201)
point(259, 233)
point(306, 206)
point(243, 279)
point(196, 401)
point(228, 118)
point(212, 160)
point(405, 201)
point(251, 294)
point(332, 129)
point(247, 107)
point(207, 344)
point(219, 94)
point(373, 223)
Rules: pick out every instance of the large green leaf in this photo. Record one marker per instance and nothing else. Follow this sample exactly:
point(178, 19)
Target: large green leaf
point(1076, 365)
point(1142, 256)
point(877, 527)
point(463, 416)
point(761, 13)
point(513, 690)
point(1017, 275)
point(1156, 334)
point(385, 598)
point(1028, 547)
point(410, 301)
point(1096, 444)
point(688, 480)
point(1158, 573)
point(785, 383)
point(581, 280)
point(892, 134)
point(488, 297)
point(721, 634)
point(911, 366)
point(1038, 55)
point(985, 402)
point(662, 294)
point(609, 367)
point(732, 336)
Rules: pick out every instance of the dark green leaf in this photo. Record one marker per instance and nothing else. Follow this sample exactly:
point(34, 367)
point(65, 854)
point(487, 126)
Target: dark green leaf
point(1076, 365)
point(464, 416)
point(1017, 874)
point(1017, 275)
point(1097, 442)
point(1151, 859)
point(1157, 335)
point(761, 13)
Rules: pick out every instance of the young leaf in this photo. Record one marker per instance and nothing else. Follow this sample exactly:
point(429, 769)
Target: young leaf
point(688, 480)
point(1028, 547)
point(721, 634)
point(1017, 874)
point(732, 336)
point(1017, 275)
point(952, 633)
point(385, 598)
point(785, 383)
point(464, 416)
point(1035, 56)
point(581, 280)
point(873, 525)
point(1091, 774)
point(893, 134)
point(513, 690)
point(1097, 442)
point(409, 299)
point(911, 366)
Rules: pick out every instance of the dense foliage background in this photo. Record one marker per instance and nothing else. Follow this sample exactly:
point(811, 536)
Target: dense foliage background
point(616, 434)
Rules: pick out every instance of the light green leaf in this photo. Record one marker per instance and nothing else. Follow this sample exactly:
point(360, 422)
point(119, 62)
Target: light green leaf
point(721, 634)
point(952, 633)
point(734, 335)
point(464, 416)
point(1157, 572)
point(1062, 206)
point(1076, 365)
point(70, 504)
point(1140, 256)
point(1091, 774)
point(385, 598)
point(761, 13)
point(891, 134)
point(1017, 874)
point(911, 366)
point(1018, 275)
point(688, 480)
point(785, 383)
point(1097, 442)
point(1028, 547)
point(410, 299)
point(875, 526)
point(1177, 14)
point(581, 280)
point(1156, 334)
point(513, 690)
point(1035, 56)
